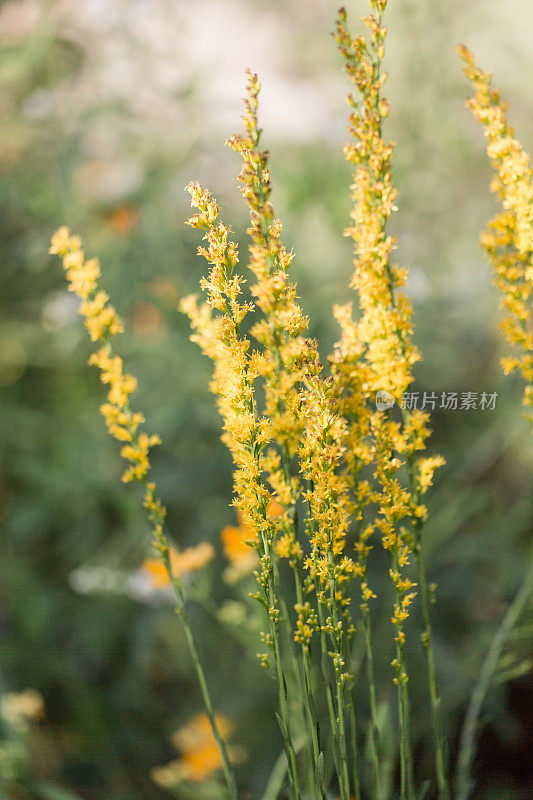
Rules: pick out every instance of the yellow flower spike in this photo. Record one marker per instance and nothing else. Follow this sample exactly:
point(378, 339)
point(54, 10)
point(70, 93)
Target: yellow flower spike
point(217, 330)
point(103, 324)
point(375, 352)
point(508, 240)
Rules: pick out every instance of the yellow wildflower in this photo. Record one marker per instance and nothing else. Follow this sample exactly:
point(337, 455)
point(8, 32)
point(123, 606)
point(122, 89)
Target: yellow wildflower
point(198, 764)
point(280, 331)
point(508, 241)
point(122, 423)
point(103, 323)
point(376, 352)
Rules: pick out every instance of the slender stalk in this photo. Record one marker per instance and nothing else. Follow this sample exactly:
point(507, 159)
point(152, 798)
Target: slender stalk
point(407, 734)
point(280, 675)
point(83, 281)
point(265, 236)
point(351, 708)
point(333, 718)
point(401, 680)
point(355, 751)
point(370, 672)
point(370, 675)
point(310, 707)
point(427, 635)
point(163, 548)
point(403, 757)
point(339, 679)
point(436, 705)
point(463, 780)
point(302, 684)
point(364, 61)
point(342, 739)
point(427, 643)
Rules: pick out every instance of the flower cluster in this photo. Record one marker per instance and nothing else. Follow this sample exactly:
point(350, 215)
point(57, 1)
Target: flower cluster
point(508, 240)
point(283, 324)
point(383, 330)
point(235, 370)
point(280, 330)
point(300, 436)
point(321, 452)
point(103, 322)
point(375, 353)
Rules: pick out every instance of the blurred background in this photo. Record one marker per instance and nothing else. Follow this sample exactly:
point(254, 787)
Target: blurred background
point(108, 109)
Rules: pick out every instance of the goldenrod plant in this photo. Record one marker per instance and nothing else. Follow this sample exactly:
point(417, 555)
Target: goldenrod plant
point(508, 240)
point(328, 462)
point(508, 243)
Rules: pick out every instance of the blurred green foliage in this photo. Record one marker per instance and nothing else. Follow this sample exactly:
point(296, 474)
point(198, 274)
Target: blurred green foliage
point(113, 670)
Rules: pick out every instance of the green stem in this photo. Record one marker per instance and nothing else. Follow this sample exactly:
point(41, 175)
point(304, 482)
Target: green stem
point(281, 680)
point(370, 674)
point(427, 640)
point(286, 623)
point(302, 683)
point(352, 671)
point(333, 720)
point(339, 681)
point(344, 754)
point(404, 712)
point(436, 705)
point(490, 664)
point(180, 611)
point(355, 752)
point(310, 706)
point(403, 752)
